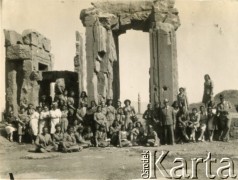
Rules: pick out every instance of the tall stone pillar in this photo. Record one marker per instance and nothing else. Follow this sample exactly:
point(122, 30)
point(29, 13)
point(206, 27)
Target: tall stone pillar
point(79, 61)
point(11, 94)
point(163, 72)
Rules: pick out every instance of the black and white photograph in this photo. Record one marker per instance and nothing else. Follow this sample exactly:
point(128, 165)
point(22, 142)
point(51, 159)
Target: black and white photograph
point(119, 89)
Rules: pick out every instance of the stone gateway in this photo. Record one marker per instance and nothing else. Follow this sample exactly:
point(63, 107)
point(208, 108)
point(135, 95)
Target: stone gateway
point(104, 23)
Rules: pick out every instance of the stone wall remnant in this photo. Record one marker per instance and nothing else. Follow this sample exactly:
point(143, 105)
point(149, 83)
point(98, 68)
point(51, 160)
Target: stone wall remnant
point(27, 55)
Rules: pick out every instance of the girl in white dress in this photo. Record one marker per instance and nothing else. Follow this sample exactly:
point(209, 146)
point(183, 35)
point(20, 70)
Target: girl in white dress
point(55, 116)
point(44, 119)
point(34, 120)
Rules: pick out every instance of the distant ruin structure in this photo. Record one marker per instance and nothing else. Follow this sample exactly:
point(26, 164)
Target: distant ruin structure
point(105, 21)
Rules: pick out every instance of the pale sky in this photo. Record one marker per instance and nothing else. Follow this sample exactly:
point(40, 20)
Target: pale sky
point(207, 42)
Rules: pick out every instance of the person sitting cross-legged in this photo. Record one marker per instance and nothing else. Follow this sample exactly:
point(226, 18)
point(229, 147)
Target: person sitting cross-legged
point(44, 142)
point(113, 132)
point(193, 124)
point(137, 134)
point(80, 139)
point(101, 137)
point(123, 141)
point(88, 135)
point(69, 143)
point(58, 137)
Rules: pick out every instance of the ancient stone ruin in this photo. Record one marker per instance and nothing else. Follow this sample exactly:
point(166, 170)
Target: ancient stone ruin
point(28, 69)
point(29, 62)
point(104, 23)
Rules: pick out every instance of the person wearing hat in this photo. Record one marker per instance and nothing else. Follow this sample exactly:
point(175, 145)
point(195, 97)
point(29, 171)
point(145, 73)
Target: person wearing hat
point(168, 123)
point(223, 109)
point(129, 112)
point(182, 98)
point(211, 123)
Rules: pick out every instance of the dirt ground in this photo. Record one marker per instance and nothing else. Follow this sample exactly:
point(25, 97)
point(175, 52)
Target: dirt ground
point(103, 163)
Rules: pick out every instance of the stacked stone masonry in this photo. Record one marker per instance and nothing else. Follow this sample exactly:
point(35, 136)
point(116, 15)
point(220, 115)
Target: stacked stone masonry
point(27, 55)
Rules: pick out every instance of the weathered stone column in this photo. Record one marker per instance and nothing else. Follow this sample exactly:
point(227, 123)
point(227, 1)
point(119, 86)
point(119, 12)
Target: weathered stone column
point(79, 62)
point(164, 73)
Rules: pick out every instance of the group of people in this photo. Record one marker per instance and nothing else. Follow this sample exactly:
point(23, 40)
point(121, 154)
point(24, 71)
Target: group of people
point(60, 126)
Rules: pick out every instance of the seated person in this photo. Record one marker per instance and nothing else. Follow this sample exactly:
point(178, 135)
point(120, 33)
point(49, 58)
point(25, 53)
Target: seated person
point(76, 125)
point(22, 123)
point(99, 118)
point(129, 129)
point(193, 123)
point(113, 132)
point(122, 137)
point(137, 134)
point(69, 143)
point(182, 124)
point(151, 138)
point(81, 140)
point(88, 135)
point(101, 137)
point(11, 125)
point(44, 142)
point(58, 137)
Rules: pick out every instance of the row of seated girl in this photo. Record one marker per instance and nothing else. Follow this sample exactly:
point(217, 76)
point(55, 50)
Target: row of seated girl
point(78, 137)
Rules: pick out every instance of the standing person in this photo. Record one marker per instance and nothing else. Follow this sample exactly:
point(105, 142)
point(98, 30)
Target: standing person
point(224, 119)
point(22, 123)
point(149, 116)
point(83, 99)
point(129, 112)
point(100, 119)
point(34, 121)
point(193, 123)
point(81, 113)
point(158, 122)
point(182, 98)
point(44, 142)
point(211, 123)
point(202, 123)
point(111, 113)
point(55, 116)
point(71, 102)
point(90, 115)
point(182, 124)
point(64, 119)
point(175, 112)
point(122, 138)
point(11, 125)
point(44, 118)
point(208, 90)
point(120, 113)
point(104, 107)
point(167, 120)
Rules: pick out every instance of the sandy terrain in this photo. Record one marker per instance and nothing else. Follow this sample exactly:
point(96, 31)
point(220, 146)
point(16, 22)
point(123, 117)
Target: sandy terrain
point(103, 163)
